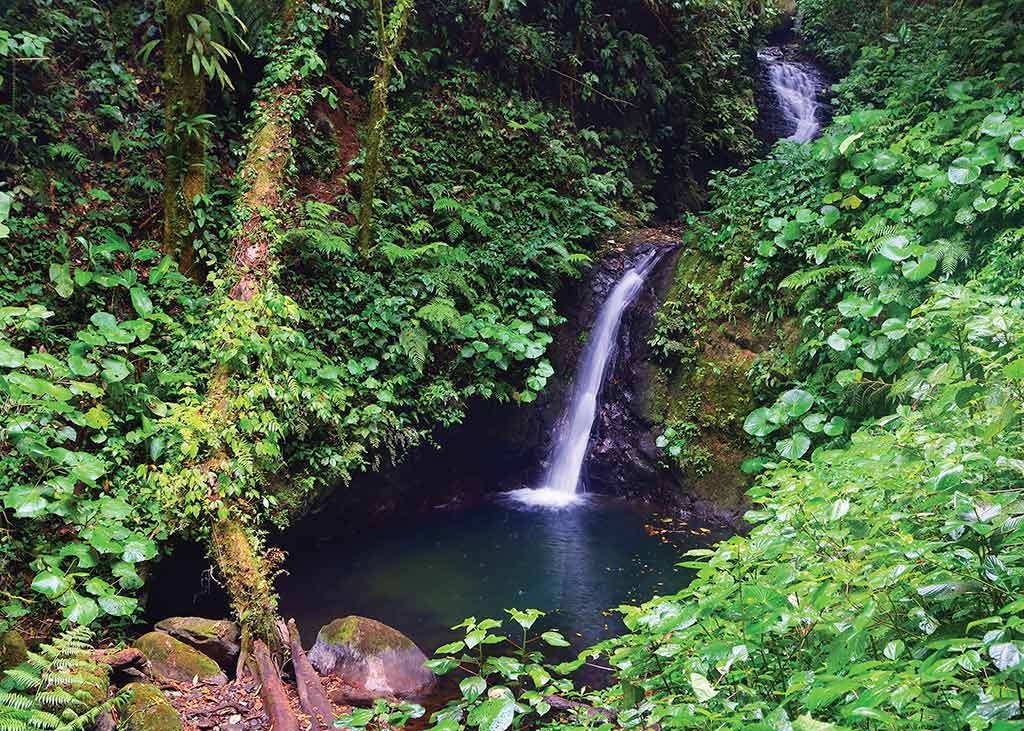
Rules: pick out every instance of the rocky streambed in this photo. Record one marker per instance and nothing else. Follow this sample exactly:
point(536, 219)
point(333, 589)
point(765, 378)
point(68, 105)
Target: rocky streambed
point(181, 674)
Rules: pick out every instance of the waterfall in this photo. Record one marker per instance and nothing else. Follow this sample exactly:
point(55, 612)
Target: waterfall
point(562, 478)
point(796, 86)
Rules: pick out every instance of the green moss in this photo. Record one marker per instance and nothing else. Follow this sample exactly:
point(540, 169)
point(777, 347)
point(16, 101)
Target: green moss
point(13, 651)
point(149, 710)
point(175, 659)
point(366, 636)
point(701, 391)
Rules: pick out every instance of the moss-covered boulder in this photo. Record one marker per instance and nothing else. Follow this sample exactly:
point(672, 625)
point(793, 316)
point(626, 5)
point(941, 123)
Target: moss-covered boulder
point(215, 638)
point(372, 660)
point(13, 651)
point(149, 710)
point(174, 660)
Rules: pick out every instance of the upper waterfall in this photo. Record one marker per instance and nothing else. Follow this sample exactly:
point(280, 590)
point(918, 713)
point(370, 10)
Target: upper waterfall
point(796, 86)
point(562, 478)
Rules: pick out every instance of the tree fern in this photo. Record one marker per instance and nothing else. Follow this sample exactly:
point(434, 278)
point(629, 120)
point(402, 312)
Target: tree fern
point(49, 690)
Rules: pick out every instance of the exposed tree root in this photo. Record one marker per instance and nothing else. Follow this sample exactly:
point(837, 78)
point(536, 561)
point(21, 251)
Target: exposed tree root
point(312, 696)
point(275, 701)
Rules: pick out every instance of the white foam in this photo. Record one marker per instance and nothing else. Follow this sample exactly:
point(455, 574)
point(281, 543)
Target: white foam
point(545, 497)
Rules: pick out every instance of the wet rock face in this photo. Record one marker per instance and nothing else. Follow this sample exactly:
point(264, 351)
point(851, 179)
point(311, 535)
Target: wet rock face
point(215, 638)
point(622, 457)
point(373, 661)
point(172, 659)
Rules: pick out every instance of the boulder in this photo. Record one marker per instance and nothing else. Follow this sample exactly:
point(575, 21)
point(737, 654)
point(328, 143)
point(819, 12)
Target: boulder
point(13, 651)
point(149, 710)
point(215, 638)
point(372, 660)
point(174, 660)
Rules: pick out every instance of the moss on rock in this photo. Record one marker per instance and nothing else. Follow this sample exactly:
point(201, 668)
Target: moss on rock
point(367, 636)
point(372, 660)
point(219, 639)
point(702, 391)
point(149, 710)
point(173, 659)
point(13, 651)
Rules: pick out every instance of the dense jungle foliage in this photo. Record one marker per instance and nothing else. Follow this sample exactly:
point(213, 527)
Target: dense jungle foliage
point(880, 584)
point(155, 380)
point(203, 329)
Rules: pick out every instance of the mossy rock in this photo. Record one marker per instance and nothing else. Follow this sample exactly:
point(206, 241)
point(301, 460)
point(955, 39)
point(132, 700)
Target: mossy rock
point(13, 651)
point(149, 710)
point(215, 638)
point(172, 659)
point(372, 660)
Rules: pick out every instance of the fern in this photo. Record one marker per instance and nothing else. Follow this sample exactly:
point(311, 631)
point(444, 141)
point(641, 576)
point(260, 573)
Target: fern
point(414, 343)
point(953, 253)
point(46, 691)
point(67, 151)
point(396, 253)
point(446, 205)
point(810, 277)
point(439, 312)
point(455, 229)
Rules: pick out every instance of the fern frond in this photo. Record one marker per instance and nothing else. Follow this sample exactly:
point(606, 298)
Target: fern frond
point(414, 343)
point(14, 701)
point(454, 229)
point(953, 253)
point(67, 151)
point(446, 205)
point(22, 679)
point(439, 312)
point(807, 277)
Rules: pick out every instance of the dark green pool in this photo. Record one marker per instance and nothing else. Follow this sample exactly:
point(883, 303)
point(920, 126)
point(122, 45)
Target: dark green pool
point(422, 575)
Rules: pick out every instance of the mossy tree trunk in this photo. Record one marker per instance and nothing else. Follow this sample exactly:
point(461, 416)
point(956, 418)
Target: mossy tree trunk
point(390, 34)
point(240, 558)
point(185, 146)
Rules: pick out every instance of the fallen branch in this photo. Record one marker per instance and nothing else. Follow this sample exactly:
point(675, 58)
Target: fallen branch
point(564, 704)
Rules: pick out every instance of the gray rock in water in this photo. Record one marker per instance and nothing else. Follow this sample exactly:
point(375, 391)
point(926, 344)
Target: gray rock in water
point(372, 660)
point(216, 638)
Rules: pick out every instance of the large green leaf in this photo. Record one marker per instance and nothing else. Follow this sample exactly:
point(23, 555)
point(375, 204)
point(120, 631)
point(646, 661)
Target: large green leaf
point(702, 689)
point(759, 423)
point(494, 714)
point(141, 301)
point(794, 447)
point(797, 402)
point(10, 357)
point(472, 687)
point(963, 171)
point(80, 609)
point(50, 584)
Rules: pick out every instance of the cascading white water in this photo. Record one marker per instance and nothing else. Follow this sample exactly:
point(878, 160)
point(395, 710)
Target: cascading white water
point(562, 479)
point(796, 86)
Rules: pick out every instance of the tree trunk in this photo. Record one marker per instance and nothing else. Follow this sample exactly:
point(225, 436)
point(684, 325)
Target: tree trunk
point(389, 46)
point(371, 166)
point(241, 561)
point(184, 151)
